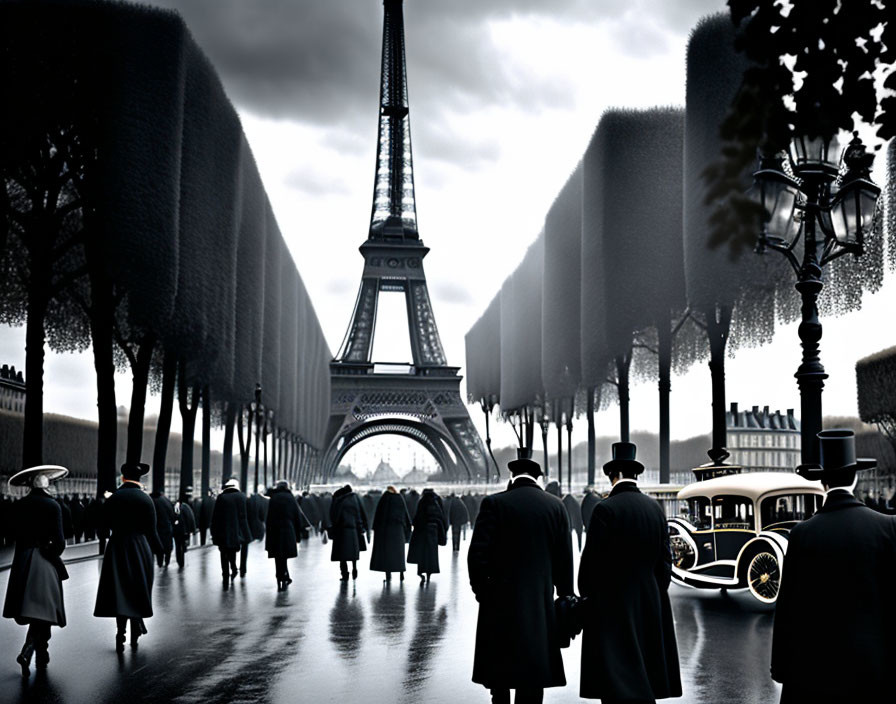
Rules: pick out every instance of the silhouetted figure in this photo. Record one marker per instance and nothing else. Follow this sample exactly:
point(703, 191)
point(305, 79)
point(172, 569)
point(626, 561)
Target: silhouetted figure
point(629, 651)
point(68, 528)
point(430, 531)
point(520, 553)
point(164, 526)
point(574, 511)
point(230, 528)
point(255, 513)
point(391, 532)
point(589, 501)
point(77, 509)
point(348, 527)
point(833, 638)
point(206, 508)
point(309, 506)
point(412, 498)
point(284, 528)
point(553, 488)
point(125, 588)
point(458, 517)
point(34, 591)
point(184, 527)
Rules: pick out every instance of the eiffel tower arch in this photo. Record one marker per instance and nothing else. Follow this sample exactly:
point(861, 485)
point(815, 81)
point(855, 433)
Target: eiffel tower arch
point(420, 401)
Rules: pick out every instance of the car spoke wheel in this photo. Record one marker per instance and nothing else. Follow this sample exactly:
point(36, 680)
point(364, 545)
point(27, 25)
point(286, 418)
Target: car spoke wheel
point(764, 577)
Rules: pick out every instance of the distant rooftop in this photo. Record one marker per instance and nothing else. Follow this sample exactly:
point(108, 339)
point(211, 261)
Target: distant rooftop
point(761, 419)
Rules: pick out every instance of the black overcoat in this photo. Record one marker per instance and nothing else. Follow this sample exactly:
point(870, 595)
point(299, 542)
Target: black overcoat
point(229, 525)
point(628, 643)
point(256, 516)
point(589, 501)
point(185, 521)
point(412, 498)
point(472, 506)
point(68, 528)
point(309, 506)
point(283, 525)
point(348, 526)
point(391, 531)
point(125, 587)
point(165, 518)
point(324, 504)
point(36, 521)
point(457, 512)
point(574, 511)
point(206, 509)
point(430, 531)
point(834, 619)
point(520, 553)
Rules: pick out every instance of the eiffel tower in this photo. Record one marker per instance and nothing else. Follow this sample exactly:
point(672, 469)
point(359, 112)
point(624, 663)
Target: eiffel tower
point(420, 401)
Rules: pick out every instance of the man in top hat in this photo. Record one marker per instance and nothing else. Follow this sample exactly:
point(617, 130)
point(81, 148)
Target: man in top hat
point(520, 554)
point(629, 652)
point(34, 591)
point(125, 588)
point(229, 527)
point(834, 620)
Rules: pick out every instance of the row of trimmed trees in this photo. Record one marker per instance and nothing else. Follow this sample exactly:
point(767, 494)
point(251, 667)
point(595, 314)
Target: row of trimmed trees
point(135, 223)
point(621, 282)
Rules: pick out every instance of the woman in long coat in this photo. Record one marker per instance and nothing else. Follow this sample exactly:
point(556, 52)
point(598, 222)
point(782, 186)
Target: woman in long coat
point(125, 589)
point(391, 531)
point(283, 531)
point(347, 528)
point(429, 533)
point(34, 592)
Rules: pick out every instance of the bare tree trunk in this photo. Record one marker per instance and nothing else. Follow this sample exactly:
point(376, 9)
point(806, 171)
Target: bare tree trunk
point(205, 478)
point(623, 362)
point(664, 333)
point(227, 453)
point(718, 325)
point(592, 443)
point(163, 426)
point(140, 376)
point(35, 337)
point(104, 366)
point(188, 402)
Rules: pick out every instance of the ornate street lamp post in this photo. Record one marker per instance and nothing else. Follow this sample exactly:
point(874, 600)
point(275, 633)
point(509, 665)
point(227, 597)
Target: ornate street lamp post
point(807, 198)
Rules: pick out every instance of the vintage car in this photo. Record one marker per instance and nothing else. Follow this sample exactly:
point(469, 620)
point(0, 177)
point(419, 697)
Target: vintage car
point(732, 531)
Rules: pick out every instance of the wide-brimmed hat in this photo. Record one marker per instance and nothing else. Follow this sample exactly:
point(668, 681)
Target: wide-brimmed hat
point(231, 484)
point(623, 461)
point(524, 464)
point(133, 470)
point(27, 476)
point(837, 455)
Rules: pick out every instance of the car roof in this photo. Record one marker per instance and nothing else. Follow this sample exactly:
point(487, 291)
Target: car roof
point(751, 484)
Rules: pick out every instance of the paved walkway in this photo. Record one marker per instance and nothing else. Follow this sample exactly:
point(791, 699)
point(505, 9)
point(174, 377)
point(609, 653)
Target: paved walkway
point(324, 642)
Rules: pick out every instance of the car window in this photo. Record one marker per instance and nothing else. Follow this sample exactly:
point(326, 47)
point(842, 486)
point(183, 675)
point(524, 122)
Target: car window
point(733, 513)
point(699, 512)
point(777, 511)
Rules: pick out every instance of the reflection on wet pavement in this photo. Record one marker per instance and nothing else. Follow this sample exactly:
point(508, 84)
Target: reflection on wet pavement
point(327, 641)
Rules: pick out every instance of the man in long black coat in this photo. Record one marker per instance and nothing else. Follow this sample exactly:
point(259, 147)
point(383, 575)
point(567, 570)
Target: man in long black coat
point(125, 588)
point(833, 636)
point(520, 553)
point(206, 508)
point(184, 527)
point(458, 517)
point(574, 510)
point(165, 519)
point(284, 528)
point(629, 653)
point(229, 527)
point(589, 501)
point(391, 531)
point(348, 527)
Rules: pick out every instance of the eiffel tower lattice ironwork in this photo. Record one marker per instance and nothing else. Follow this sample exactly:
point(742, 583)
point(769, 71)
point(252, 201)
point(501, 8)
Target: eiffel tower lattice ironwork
point(420, 401)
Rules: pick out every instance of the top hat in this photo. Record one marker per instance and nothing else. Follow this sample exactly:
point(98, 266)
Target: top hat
point(26, 477)
point(231, 484)
point(281, 484)
point(188, 490)
point(524, 464)
point(134, 470)
point(837, 454)
point(623, 461)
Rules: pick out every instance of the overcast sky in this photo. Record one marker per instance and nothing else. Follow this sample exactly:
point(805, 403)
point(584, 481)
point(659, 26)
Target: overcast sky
point(504, 96)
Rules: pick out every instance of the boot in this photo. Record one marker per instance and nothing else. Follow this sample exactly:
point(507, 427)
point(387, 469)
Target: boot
point(137, 629)
point(354, 572)
point(119, 642)
point(401, 576)
point(24, 658)
point(41, 658)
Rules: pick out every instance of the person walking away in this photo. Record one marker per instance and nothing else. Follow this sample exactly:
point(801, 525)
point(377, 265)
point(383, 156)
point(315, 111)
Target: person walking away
point(629, 653)
point(520, 555)
point(430, 531)
point(391, 532)
point(125, 587)
point(206, 508)
point(230, 528)
point(574, 510)
point(347, 529)
point(164, 526)
point(833, 637)
point(34, 591)
point(458, 517)
point(283, 531)
point(589, 501)
point(183, 529)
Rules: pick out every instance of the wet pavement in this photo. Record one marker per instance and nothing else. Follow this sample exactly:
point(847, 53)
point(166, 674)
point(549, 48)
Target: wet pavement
point(322, 641)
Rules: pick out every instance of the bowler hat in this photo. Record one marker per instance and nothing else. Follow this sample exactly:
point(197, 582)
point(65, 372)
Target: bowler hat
point(837, 455)
point(524, 464)
point(27, 476)
point(134, 470)
point(623, 461)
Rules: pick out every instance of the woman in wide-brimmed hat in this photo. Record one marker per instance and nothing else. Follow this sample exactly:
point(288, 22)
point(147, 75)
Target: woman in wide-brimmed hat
point(125, 589)
point(34, 592)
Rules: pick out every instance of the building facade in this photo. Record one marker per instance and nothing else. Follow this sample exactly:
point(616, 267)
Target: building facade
point(763, 441)
point(12, 390)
